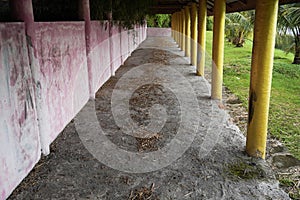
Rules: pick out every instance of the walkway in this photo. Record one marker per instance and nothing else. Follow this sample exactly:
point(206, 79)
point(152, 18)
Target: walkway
point(151, 133)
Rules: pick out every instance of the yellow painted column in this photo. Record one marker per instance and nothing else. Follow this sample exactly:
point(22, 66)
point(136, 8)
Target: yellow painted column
point(176, 27)
point(218, 48)
point(183, 35)
point(187, 31)
point(194, 34)
point(172, 26)
point(202, 14)
point(179, 29)
point(261, 76)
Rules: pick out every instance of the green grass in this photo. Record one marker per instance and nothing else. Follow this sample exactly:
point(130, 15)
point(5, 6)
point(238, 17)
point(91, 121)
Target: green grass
point(284, 115)
point(242, 170)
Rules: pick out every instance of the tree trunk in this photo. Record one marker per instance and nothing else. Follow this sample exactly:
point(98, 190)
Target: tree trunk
point(240, 40)
point(297, 50)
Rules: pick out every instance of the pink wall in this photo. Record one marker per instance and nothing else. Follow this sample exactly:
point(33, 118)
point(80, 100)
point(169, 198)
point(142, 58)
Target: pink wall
point(107, 54)
point(62, 74)
point(124, 44)
point(115, 48)
point(37, 101)
point(19, 134)
point(157, 32)
point(99, 55)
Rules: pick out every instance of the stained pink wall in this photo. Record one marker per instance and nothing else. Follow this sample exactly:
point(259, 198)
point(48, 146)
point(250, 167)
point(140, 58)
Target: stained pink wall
point(158, 32)
point(124, 44)
point(115, 41)
point(37, 101)
point(128, 39)
point(107, 54)
point(62, 75)
point(19, 134)
point(99, 55)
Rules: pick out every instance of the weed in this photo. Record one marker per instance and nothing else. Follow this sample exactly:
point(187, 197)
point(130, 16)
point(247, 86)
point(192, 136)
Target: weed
point(246, 171)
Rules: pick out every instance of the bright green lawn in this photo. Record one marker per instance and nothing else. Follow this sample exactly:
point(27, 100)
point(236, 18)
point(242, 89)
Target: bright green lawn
point(284, 116)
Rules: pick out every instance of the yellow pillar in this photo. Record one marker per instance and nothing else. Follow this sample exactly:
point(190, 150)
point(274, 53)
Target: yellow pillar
point(176, 27)
point(172, 26)
point(218, 48)
point(187, 31)
point(194, 34)
point(261, 76)
point(180, 29)
point(202, 13)
point(183, 30)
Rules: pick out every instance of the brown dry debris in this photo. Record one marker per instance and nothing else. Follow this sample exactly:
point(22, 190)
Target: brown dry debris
point(161, 57)
point(143, 193)
point(148, 144)
point(292, 175)
point(221, 106)
point(237, 112)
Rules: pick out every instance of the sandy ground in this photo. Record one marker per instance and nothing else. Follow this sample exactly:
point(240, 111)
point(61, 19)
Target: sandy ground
point(197, 153)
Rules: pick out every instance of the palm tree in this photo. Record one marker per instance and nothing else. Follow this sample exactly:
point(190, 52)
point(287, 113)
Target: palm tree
point(289, 23)
point(238, 26)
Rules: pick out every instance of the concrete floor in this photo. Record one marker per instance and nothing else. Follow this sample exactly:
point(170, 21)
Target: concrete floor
point(151, 133)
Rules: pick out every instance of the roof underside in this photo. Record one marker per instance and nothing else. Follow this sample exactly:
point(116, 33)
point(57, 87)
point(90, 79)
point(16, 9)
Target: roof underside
point(172, 6)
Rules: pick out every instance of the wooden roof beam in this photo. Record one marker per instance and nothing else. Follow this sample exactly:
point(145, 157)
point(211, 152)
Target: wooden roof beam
point(244, 2)
point(210, 3)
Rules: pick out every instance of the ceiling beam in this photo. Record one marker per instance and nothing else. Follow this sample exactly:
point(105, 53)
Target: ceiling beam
point(171, 6)
point(210, 3)
point(243, 2)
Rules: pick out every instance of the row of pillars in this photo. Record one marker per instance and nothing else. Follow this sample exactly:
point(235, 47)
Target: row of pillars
point(189, 31)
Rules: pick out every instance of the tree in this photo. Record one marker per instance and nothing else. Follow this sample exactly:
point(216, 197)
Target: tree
point(239, 25)
point(209, 23)
point(163, 20)
point(129, 12)
point(159, 20)
point(289, 24)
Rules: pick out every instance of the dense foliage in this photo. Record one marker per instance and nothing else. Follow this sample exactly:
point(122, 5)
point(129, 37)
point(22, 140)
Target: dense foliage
point(209, 23)
point(289, 24)
point(159, 20)
point(239, 26)
point(127, 11)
